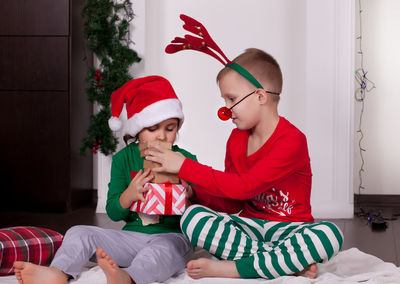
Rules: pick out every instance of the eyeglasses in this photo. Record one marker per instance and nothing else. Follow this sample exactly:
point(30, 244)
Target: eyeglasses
point(225, 113)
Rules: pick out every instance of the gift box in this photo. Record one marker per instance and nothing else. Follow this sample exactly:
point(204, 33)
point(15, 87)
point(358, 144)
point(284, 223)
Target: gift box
point(162, 199)
point(158, 177)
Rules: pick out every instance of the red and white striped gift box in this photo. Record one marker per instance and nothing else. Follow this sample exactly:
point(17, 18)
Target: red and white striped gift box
point(162, 199)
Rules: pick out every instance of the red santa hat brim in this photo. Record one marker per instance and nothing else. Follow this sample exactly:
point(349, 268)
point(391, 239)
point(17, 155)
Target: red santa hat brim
point(154, 114)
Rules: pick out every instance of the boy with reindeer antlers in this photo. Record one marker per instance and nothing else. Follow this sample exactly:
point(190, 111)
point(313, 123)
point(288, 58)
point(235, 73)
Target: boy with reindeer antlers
point(267, 174)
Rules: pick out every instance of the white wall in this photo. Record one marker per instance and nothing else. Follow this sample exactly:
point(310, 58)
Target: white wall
point(380, 124)
point(313, 43)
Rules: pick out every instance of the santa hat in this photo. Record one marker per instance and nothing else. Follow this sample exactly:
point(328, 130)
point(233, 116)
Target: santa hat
point(149, 101)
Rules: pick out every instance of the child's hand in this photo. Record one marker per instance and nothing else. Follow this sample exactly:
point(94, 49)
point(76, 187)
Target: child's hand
point(135, 190)
point(170, 161)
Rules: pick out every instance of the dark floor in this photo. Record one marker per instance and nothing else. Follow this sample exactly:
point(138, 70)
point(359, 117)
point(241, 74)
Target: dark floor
point(357, 231)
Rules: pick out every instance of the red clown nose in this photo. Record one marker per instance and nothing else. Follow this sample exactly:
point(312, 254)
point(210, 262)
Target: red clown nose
point(224, 113)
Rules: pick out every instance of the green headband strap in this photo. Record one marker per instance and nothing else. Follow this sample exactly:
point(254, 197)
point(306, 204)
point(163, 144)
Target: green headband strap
point(245, 74)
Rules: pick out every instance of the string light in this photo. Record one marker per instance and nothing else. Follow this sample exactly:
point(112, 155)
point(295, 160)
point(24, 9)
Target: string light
point(364, 86)
point(375, 218)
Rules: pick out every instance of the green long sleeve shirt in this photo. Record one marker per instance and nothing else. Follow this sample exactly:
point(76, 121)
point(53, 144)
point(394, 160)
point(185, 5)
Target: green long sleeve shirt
point(123, 163)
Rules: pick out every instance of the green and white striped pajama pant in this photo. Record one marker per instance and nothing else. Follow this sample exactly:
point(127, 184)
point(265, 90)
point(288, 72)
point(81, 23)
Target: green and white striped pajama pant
point(261, 248)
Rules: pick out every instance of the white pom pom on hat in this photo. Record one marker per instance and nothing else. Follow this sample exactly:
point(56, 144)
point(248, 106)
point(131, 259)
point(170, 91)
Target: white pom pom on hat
point(149, 101)
point(115, 123)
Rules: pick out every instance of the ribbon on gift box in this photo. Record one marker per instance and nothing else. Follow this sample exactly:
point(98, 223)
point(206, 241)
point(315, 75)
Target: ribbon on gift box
point(168, 198)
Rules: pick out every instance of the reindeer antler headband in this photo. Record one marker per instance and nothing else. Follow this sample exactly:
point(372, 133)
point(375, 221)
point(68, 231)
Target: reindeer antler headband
point(204, 43)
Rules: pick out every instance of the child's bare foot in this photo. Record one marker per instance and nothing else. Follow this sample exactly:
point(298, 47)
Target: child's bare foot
point(310, 271)
point(204, 267)
point(113, 273)
point(29, 273)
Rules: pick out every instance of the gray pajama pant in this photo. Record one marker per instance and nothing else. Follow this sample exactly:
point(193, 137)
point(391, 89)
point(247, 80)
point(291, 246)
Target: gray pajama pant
point(145, 257)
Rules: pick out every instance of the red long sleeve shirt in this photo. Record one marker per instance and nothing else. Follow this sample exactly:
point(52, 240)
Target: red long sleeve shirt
point(274, 183)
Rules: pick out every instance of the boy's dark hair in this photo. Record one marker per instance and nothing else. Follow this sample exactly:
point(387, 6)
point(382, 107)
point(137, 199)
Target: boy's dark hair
point(128, 139)
point(262, 66)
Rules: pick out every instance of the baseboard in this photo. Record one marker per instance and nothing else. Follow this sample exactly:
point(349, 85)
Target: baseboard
point(333, 210)
point(379, 200)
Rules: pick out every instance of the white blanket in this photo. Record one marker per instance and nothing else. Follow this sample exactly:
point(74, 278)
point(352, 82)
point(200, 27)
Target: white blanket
point(349, 266)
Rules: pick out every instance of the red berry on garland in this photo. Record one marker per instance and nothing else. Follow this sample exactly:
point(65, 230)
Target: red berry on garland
point(99, 141)
point(99, 83)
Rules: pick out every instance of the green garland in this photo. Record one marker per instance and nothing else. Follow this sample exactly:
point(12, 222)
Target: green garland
point(107, 31)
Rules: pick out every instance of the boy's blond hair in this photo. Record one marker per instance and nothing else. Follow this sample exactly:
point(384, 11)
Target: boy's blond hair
point(262, 66)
